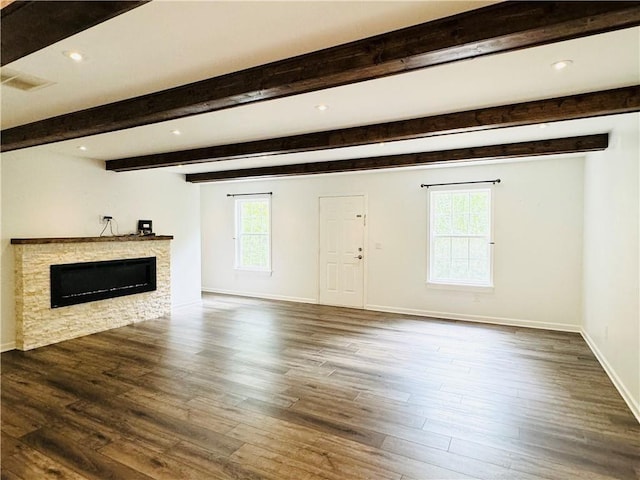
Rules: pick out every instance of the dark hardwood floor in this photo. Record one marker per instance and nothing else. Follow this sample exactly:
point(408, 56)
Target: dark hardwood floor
point(250, 389)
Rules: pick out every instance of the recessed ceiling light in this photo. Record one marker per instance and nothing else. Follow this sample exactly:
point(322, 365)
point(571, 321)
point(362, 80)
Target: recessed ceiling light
point(562, 64)
point(74, 55)
point(176, 132)
point(82, 148)
point(322, 107)
point(542, 125)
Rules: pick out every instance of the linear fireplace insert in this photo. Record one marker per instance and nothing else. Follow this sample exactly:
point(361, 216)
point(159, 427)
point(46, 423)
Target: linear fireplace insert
point(75, 283)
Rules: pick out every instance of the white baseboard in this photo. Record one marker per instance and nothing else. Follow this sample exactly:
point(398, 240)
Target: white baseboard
point(632, 403)
point(512, 322)
point(260, 295)
point(5, 347)
point(186, 304)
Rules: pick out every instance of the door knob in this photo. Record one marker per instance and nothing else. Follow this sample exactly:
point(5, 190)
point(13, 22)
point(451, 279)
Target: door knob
point(359, 257)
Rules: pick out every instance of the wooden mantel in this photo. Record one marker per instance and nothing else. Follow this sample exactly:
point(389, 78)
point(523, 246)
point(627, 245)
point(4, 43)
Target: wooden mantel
point(112, 238)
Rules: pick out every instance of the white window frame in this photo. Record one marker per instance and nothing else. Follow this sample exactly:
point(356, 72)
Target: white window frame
point(455, 284)
point(238, 201)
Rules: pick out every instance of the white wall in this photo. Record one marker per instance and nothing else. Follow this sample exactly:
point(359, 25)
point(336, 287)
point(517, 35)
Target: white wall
point(538, 235)
point(47, 195)
point(611, 258)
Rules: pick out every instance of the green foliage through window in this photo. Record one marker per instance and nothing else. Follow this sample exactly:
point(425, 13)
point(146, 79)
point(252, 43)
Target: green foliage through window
point(253, 243)
point(460, 236)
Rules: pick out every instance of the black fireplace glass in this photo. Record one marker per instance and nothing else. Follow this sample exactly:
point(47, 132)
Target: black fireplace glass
point(75, 283)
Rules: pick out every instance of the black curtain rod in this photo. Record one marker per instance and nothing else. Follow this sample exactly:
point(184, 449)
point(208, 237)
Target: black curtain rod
point(244, 194)
point(427, 185)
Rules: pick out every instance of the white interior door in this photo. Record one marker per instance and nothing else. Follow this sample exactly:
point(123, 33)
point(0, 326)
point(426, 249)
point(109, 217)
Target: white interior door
point(342, 251)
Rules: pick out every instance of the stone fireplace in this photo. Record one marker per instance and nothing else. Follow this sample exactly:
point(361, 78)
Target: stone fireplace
point(38, 324)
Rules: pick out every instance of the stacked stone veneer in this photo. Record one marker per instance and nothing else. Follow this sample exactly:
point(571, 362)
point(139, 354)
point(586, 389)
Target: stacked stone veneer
point(37, 324)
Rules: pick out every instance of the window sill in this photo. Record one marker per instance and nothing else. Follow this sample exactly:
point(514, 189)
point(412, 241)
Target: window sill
point(266, 273)
point(461, 287)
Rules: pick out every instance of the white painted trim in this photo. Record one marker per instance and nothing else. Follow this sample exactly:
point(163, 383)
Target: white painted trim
point(512, 322)
point(260, 295)
point(633, 404)
point(461, 287)
point(5, 347)
point(187, 304)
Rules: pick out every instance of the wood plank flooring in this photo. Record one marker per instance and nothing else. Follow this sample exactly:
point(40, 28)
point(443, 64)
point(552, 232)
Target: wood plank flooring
point(252, 389)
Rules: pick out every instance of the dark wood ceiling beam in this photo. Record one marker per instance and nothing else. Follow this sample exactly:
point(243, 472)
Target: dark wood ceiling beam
point(608, 102)
point(589, 143)
point(494, 29)
point(28, 26)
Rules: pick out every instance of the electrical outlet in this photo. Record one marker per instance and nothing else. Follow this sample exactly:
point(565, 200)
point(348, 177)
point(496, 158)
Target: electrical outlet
point(105, 218)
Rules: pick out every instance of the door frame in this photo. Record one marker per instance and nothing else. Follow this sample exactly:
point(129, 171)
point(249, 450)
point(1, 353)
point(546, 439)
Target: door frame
point(365, 247)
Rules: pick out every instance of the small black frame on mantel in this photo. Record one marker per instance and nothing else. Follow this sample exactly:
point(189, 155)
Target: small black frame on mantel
point(145, 227)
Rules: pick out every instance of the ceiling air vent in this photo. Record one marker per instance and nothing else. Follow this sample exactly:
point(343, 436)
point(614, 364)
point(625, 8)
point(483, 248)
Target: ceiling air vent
point(22, 81)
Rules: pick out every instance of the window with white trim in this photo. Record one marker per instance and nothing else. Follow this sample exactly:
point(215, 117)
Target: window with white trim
point(253, 233)
point(460, 246)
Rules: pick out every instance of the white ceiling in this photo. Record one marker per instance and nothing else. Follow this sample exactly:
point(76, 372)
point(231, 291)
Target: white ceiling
point(163, 44)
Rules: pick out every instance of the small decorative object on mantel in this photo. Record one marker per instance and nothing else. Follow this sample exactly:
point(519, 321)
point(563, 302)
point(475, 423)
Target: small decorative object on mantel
point(145, 227)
